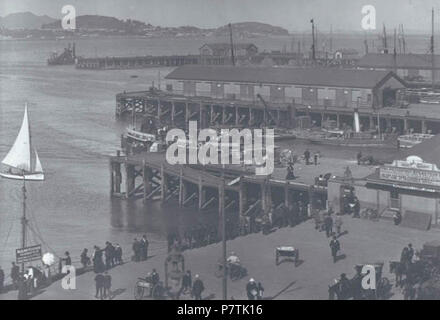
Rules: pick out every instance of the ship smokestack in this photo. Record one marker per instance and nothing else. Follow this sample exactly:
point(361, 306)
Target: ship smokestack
point(357, 127)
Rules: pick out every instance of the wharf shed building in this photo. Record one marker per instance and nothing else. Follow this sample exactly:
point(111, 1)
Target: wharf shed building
point(227, 95)
point(320, 93)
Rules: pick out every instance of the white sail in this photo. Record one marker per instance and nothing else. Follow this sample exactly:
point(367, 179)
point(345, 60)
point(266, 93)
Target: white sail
point(38, 167)
point(20, 154)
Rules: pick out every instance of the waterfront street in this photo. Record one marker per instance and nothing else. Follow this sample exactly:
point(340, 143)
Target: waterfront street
point(366, 242)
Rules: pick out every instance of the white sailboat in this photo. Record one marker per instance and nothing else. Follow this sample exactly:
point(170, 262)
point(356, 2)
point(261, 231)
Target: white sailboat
point(22, 166)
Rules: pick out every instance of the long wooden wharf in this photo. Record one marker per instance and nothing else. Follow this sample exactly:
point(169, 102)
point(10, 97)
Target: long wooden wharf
point(149, 177)
point(139, 62)
point(176, 109)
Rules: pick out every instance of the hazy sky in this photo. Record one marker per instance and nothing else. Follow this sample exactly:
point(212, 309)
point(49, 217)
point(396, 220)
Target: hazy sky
point(290, 14)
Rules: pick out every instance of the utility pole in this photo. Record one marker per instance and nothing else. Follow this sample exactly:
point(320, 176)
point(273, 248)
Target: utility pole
point(331, 39)
point(223, 222)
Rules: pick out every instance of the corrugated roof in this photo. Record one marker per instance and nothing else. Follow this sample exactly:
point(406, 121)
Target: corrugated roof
point(324, 77)
point(403, 61)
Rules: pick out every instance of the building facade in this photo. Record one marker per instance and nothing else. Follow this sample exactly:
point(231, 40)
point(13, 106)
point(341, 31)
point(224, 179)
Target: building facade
point(307, 86)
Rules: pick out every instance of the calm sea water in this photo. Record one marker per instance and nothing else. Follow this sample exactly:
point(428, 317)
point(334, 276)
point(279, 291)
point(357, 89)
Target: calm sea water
point(74, 130)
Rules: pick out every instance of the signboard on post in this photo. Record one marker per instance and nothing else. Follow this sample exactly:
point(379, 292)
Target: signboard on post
point(28, 254)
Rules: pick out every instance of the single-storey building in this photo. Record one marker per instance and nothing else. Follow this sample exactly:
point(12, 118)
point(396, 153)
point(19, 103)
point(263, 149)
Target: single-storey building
point(347, 88)
point(224, 49)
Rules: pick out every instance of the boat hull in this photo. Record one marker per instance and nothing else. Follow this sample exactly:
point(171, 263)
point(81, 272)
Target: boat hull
point(353, 143)
point(27, 177)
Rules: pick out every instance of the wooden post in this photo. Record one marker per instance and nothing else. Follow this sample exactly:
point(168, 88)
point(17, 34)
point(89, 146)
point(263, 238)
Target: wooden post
point(182, 188)
point(237, 116)
point(118, 178)
point(173, 112)
point(163, 184)
point(405, 125)
point(242, 198)
point(112, 180)
point(286, 195)
point(222, 222)
point(423, 126)
point(187, 111)
point(146, 173)
point(201, 193)
point(130, 179)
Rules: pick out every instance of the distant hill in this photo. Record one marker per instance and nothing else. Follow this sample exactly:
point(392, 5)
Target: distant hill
point(24, 20)
point(99, 23)
point(252, 28)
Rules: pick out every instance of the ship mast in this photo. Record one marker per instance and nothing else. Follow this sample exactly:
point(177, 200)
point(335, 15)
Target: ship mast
point(232, 45)
point(432, 50)
point(313, 40)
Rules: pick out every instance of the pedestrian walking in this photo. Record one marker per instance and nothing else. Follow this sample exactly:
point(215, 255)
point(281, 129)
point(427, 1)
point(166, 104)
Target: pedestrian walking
point(144, 247)
point(338, 225)
point(186, 282)
point(335, 246)
point(2, 279)
point(109, 251)
point(107, 285)
point(252, 289)
point(99, 284)
point(307, 156)
point(315, 158)
point(198, 288)
point(98, 263)
point(118, 254)
point(15, 274)
point(136, 250)
point(85, 260)
point(328, 225)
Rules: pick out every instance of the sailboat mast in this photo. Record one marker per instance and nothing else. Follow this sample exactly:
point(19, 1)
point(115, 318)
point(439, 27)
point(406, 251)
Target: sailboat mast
point(23, 220)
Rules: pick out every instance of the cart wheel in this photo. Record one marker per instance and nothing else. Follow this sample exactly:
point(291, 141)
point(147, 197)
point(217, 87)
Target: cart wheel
point(138, 291)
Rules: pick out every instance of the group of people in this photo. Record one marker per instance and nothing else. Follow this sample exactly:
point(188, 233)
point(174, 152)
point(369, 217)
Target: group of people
point(103, 283)
point(102, 259)
point(194, 237)
point(308, 155)
point(140, 249)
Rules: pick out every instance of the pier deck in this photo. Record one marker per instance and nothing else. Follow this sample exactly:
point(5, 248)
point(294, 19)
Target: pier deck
point(149, 177)
point(176, 109)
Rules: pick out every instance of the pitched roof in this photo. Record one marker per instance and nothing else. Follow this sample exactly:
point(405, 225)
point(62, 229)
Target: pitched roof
point(403, 61)
point(325, 77)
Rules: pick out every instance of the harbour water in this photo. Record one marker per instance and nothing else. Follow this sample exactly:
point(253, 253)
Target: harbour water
point(74, 129)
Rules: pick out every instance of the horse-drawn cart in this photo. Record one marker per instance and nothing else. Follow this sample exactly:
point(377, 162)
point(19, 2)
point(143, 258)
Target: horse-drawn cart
point(289, 252)
point(145, 287)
